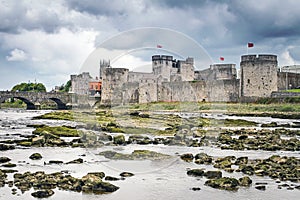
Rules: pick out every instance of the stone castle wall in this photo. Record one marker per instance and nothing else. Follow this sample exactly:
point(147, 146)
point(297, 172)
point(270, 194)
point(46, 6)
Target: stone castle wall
point(258, 75)
point(173, 80)
point(287, 80)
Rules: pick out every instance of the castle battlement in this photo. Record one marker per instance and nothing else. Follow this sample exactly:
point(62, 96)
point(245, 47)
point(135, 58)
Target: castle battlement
point(256, 58)
point(162, 57)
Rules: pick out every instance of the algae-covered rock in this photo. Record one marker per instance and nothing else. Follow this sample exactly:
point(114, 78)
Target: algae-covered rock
point(213, 174)
point(188, 157)
point(245, 181)
point(135, 155)
point(203, 158)
point(62, 131)
point(35, 156)
point(224, 183)
point(119, 139)
point(241, 160)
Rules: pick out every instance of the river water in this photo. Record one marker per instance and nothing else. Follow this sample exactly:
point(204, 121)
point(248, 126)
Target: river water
point(153, 180)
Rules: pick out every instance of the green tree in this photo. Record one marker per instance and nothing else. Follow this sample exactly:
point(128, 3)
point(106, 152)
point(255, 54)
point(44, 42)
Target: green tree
point(65, 88)
point(29, 87)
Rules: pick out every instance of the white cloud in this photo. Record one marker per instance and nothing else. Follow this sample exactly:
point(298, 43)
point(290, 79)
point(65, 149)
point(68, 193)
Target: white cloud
point(59, 53)
point(17, 55)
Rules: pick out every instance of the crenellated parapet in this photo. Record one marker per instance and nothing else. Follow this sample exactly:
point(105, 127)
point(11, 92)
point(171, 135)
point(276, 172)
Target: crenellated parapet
point(259, 58)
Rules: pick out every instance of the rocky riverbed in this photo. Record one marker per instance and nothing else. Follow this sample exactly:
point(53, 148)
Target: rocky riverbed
point(117, 155)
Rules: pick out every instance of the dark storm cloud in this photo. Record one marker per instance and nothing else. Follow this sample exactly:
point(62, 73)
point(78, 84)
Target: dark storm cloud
point(265, 19)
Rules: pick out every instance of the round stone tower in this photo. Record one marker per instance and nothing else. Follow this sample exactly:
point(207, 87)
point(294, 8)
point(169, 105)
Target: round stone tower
point(258, 75)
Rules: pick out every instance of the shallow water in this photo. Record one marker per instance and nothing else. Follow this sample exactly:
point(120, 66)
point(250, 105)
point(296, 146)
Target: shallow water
point(164, 179)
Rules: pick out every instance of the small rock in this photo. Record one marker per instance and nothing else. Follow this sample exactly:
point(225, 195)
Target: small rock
point(213, 174)
point(195, 188)
point(260, 187)
point(188, 157)
point(9, 165)
point(42, 193)
point(245, 181)
point(119, 139)
point(126, 174)
point(110, 178)
point(4, 159)
point(36, 156)
point(55, 162)
point(76, 161)
point(4, 147)
point(195, 172)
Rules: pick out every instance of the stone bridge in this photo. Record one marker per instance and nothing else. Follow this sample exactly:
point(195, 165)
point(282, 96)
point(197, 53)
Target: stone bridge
point(33, 99)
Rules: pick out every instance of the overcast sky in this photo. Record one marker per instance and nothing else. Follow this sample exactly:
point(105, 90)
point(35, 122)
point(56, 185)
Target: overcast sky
point(46, 41)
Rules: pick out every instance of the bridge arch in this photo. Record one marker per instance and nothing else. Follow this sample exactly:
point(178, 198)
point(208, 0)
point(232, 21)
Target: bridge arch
point(59, 103)
point(29, 104)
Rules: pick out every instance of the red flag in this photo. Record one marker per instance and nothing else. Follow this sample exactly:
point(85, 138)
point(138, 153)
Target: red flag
point(222, 58)
point(158, 46)
point(250, 44)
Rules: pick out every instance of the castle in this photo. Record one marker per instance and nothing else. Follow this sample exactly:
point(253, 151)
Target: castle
point(177, 80)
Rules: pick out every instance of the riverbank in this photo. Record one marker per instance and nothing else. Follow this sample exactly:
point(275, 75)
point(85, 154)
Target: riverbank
point(154, 149)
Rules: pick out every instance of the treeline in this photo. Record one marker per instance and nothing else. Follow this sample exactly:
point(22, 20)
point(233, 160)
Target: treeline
point(29, 87)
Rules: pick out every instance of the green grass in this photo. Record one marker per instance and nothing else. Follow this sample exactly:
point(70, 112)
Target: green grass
point(293, 90)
